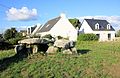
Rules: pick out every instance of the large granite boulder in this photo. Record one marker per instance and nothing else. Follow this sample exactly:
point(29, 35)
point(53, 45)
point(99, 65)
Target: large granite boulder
point(61, 43)
point(51, 50)
point(67, 51)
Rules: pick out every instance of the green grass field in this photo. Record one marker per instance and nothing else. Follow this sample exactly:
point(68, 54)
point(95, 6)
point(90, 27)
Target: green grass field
point(95, 60)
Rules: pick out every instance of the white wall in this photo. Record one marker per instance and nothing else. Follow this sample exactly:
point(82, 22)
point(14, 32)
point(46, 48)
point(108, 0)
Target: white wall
point(85, 28)
point(104, 35)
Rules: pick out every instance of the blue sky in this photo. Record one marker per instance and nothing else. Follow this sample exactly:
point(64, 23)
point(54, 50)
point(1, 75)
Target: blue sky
point(39, 11)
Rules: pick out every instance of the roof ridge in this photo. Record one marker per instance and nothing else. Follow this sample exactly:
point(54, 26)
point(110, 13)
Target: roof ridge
point(95, 19)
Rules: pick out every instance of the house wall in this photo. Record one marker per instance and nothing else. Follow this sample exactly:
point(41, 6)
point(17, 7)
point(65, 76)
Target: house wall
point(65, 29)
point(103, 35)
point(85, 28)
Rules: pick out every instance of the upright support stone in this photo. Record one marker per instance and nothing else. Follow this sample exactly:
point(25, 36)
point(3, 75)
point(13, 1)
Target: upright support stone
point(51, 50)
point(35, 49)
point(67, 51)
point(74, 50)
point(18, 48)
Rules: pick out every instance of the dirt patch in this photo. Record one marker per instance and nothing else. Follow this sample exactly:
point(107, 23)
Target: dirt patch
point(24, 73)
point(113, 70)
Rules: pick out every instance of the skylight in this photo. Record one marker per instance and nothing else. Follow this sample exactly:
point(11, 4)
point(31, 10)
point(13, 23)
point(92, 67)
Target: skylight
point(48, 25)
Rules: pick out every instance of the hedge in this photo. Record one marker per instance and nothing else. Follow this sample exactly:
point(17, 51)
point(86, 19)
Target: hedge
point(87, 37)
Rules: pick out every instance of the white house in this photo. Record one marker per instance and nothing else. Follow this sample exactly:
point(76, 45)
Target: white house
point(59, 26)
point(31, 30)
point(101, 28)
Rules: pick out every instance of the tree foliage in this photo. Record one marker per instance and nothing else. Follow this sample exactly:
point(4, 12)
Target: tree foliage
point(12, 36)
point(1, 37)
point(118, 33)
point(10, 33)
point(7, 34)
point(75, 22)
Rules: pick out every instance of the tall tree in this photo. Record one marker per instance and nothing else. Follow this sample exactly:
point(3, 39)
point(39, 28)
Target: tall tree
point(14, 32)
point(10, 33)
point(75, 22)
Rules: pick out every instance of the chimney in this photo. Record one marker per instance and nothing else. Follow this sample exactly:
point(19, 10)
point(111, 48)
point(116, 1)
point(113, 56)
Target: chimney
point(62, 15)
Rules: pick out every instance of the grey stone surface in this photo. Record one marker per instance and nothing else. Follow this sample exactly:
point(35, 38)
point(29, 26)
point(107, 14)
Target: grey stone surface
point(67, 51)
point(61, 43)
point(74, 50)
point(52, 49)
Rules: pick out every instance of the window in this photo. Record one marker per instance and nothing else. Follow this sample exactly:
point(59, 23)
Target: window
point(97, 26)
point(108, 26)
point(98, 35)
point(109, 36)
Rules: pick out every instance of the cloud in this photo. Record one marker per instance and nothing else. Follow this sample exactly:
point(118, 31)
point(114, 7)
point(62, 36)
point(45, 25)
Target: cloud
point(23, 14)
point(114, 20)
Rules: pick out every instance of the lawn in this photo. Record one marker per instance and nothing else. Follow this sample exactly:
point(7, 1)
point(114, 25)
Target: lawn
point(95, 60)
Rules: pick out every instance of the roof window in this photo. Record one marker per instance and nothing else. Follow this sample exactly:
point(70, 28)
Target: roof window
point(108, 26)
point(96, 26)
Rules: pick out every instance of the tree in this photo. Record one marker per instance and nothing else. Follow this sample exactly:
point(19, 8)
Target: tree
point(75, 22)
point(12, 36)
point(7, 34)
point(14, 32)
point(118, 33)
point(1, 36)
point(10, 33)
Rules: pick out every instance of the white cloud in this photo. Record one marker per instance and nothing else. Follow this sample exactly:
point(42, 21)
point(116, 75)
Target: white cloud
point(114, 20)
point(22, 14)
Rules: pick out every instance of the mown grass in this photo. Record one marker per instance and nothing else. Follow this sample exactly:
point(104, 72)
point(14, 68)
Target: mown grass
point(95, 60)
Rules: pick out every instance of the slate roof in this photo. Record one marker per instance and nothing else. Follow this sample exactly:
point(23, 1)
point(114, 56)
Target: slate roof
point(49, 24)
point(102, 24)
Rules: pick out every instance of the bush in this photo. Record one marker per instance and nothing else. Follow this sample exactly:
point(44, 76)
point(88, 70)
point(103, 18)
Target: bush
point(14, 41)
point(47, 36)
point(5, 45)
point(88, 37)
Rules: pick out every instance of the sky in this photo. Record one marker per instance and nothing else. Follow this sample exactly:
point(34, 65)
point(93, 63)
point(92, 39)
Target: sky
point(24, 13)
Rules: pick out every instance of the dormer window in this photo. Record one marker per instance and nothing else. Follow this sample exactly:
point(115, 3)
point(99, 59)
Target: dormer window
point(108, 26)
point(96, 26)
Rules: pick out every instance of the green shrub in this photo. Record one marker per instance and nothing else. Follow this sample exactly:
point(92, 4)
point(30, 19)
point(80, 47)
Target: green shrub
point(88, 37)
point(118, 33)
point(47, 36)
point(5, 45)
point(14, 41)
